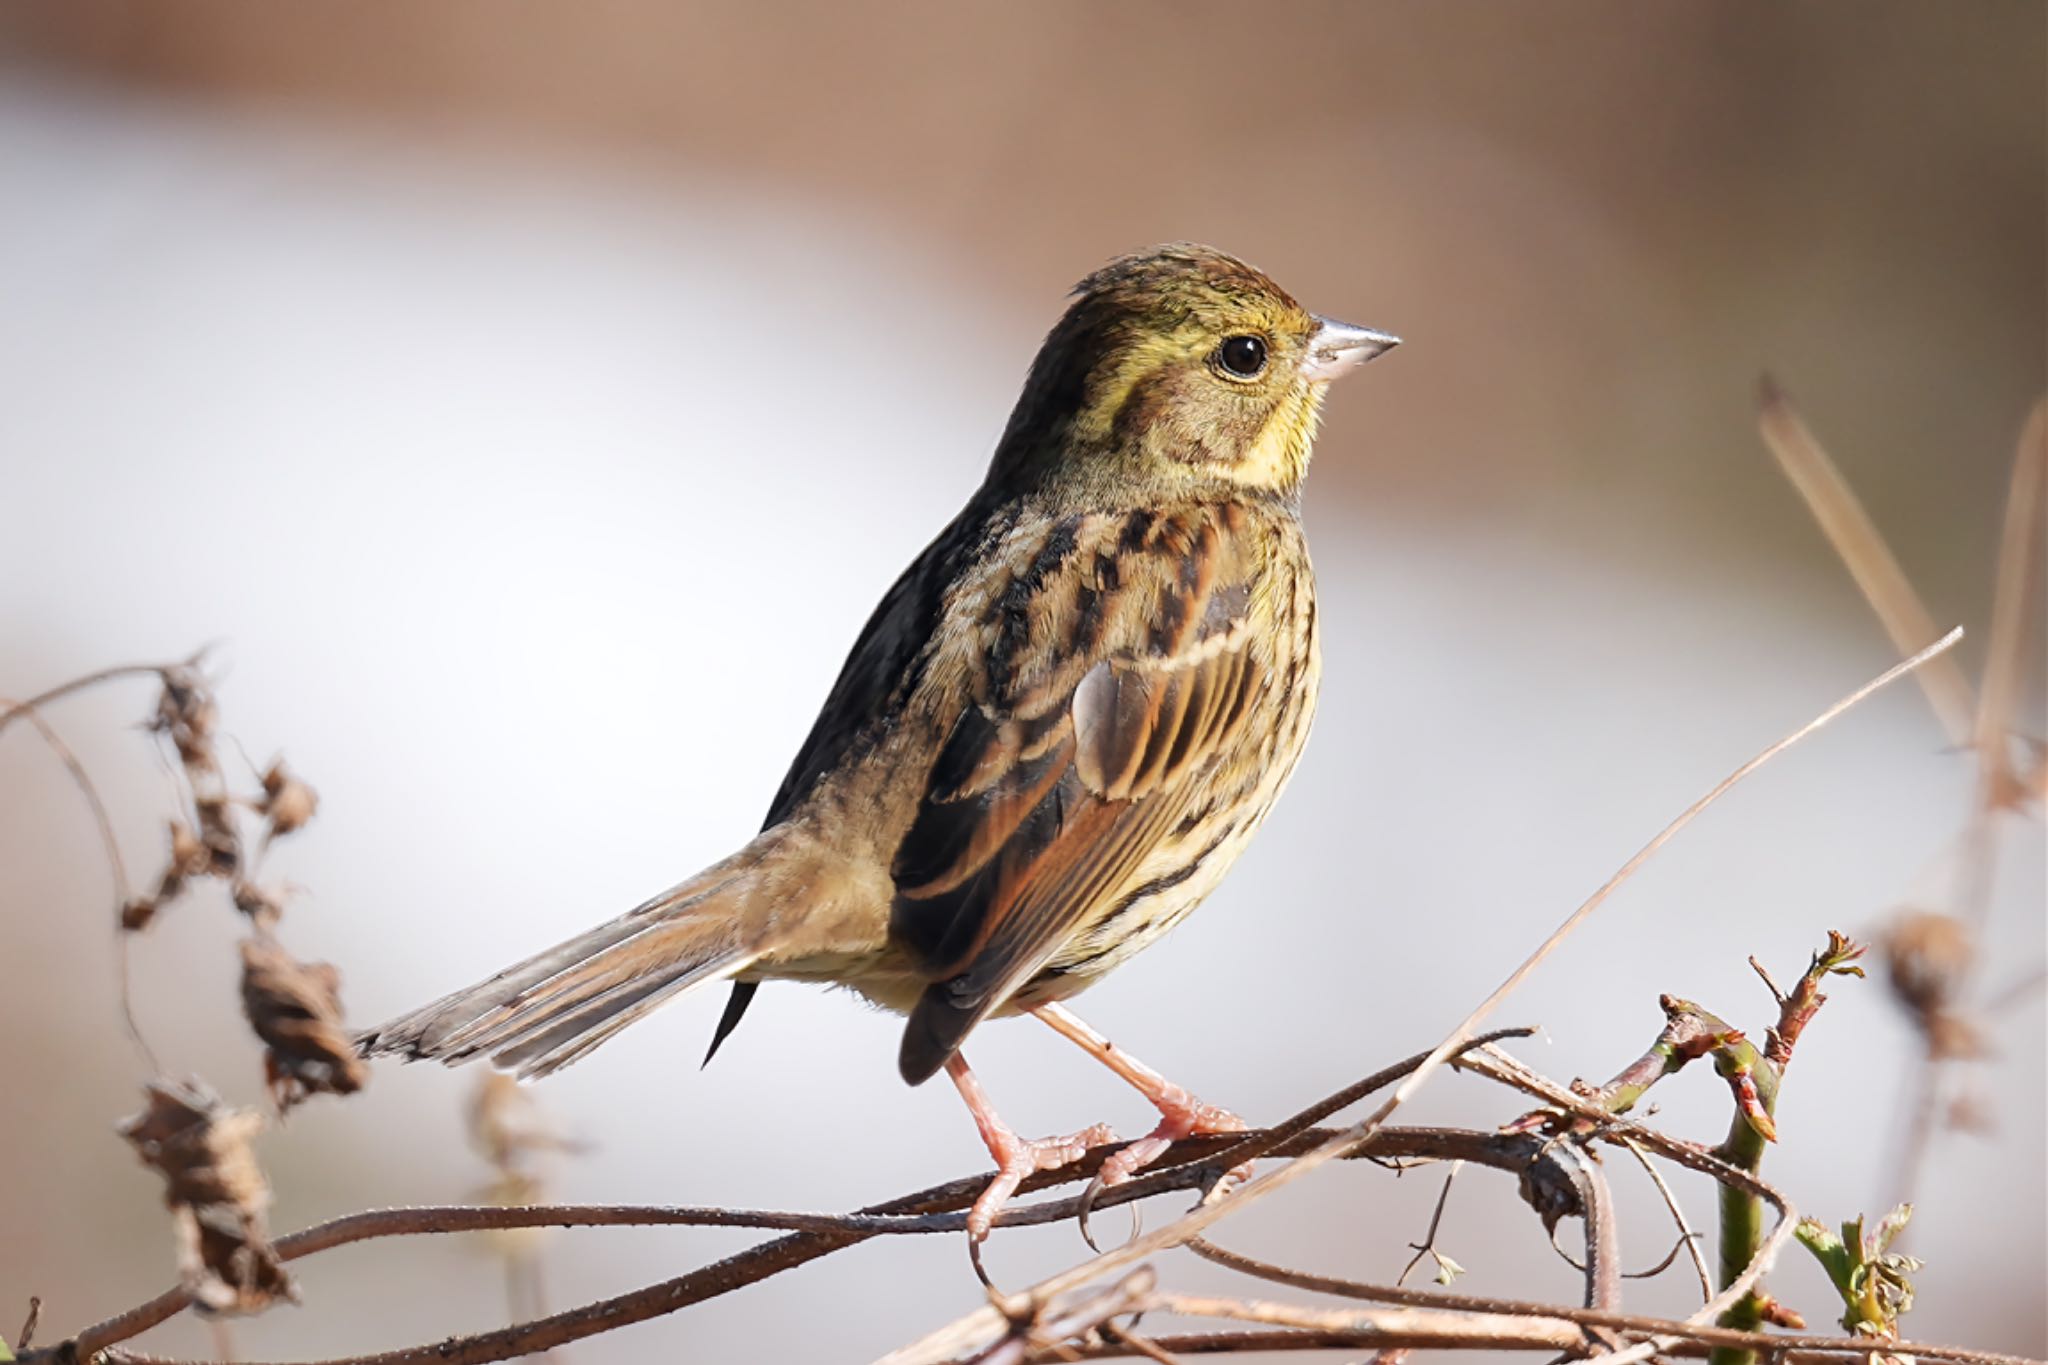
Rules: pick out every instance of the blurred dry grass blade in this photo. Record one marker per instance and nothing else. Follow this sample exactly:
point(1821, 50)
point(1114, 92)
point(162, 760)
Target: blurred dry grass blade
point(1856, 539)
point(2015, 618)
point(295, 1008)
point(216, 1192)
point(508, 1129)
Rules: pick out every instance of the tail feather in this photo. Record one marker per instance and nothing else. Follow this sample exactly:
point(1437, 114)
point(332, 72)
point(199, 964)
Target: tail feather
point(539, 1015)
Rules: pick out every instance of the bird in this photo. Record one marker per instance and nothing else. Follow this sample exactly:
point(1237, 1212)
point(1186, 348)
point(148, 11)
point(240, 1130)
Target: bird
point(1059, 728)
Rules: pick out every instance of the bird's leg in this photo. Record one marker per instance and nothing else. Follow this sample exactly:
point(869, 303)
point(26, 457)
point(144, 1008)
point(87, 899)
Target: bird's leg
point(1015, 1157)
point(1181, 1114)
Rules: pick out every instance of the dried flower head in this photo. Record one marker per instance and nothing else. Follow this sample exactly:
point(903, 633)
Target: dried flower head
point(217, 833)
point(508, 1129)
point(295, 1008)
point(217, 1194)
point(263, 904)
point(1928, 956)
point(185, 711)
point(189, 858)
point(288, 802)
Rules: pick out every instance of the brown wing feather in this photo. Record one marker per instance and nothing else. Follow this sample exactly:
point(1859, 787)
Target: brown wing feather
point(1115, 680)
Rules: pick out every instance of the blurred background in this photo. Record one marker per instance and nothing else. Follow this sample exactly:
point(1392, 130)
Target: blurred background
point(529, 402)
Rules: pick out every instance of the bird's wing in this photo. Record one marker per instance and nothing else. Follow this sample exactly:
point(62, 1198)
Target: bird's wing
point(881, 669)
point(1118, 666)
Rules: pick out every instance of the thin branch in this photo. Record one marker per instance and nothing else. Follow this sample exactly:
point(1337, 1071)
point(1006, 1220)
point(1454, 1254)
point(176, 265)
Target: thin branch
point(1029, 1332)
point(110, 845)
point(116, 864)
point(1446, 1270)
point(963, 1333)
point(1690, 1239)
point(11, 713)
point(1634, 1324)
point(1290, 1339)
point(939, 1209)
point(1144, 1346)
point(1187, 1165)
point(1393, 1327)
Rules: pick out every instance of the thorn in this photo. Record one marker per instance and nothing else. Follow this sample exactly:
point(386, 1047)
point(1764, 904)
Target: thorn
point(1776, 994)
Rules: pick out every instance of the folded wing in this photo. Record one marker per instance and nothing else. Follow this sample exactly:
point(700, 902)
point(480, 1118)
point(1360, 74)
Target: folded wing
point(1122, 667)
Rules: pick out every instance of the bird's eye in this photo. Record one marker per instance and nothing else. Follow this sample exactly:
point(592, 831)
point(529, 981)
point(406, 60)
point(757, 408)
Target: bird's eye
point(1243, 357)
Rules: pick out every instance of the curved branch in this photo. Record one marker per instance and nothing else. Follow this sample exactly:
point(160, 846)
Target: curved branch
point(15, 711)
point(1189, 1164)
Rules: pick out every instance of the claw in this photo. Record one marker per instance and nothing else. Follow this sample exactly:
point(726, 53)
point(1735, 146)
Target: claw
point(1180, 1115)
point(1018, 1158)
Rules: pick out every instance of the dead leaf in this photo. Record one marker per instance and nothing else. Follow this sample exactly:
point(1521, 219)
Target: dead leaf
point(295, 1008)
point(288, 803)
point(217, 1194)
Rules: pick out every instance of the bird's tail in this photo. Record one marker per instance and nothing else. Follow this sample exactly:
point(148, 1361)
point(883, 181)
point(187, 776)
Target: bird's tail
point(539, 1015)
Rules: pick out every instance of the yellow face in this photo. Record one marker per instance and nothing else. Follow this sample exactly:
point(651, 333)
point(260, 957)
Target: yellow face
point(1178, 366)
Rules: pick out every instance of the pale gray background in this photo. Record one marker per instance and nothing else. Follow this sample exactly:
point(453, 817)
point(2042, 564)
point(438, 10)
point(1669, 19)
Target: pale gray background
point(532, 402)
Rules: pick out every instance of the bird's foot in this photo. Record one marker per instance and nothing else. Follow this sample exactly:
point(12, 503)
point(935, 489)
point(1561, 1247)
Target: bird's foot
point(1181, 1115)
point(1019, 1158)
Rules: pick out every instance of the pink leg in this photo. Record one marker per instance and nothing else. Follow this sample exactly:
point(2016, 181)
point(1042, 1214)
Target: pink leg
point(1015, 1157)
point(1180, 1113)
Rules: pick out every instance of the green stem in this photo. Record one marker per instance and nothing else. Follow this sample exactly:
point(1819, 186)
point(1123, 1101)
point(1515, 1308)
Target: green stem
point(1742, 1232)
point(1689, 1034)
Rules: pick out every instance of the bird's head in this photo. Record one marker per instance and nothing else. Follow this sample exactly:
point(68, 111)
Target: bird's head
point(1179, 366)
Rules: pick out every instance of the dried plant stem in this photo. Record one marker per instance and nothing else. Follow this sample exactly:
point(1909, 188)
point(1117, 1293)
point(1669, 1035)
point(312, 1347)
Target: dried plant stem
point(939, 1209)
point(9, 713)
point(1703, 1334)
point(1189, 1164)
point(1689, 1239)
point(1788, 1349)
point(27, 1335)
point(1391, 1327)
point(110, 846)
point(1427, 1246)
point(2014, 615)
point(1857, 540)
point(1291, 1339)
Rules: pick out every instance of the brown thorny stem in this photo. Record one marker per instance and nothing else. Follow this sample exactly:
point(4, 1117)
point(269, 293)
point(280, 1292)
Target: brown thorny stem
point(817, 1236)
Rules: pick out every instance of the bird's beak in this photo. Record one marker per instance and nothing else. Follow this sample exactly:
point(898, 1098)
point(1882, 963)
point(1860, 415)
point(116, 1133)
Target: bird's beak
point(1339, 347)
